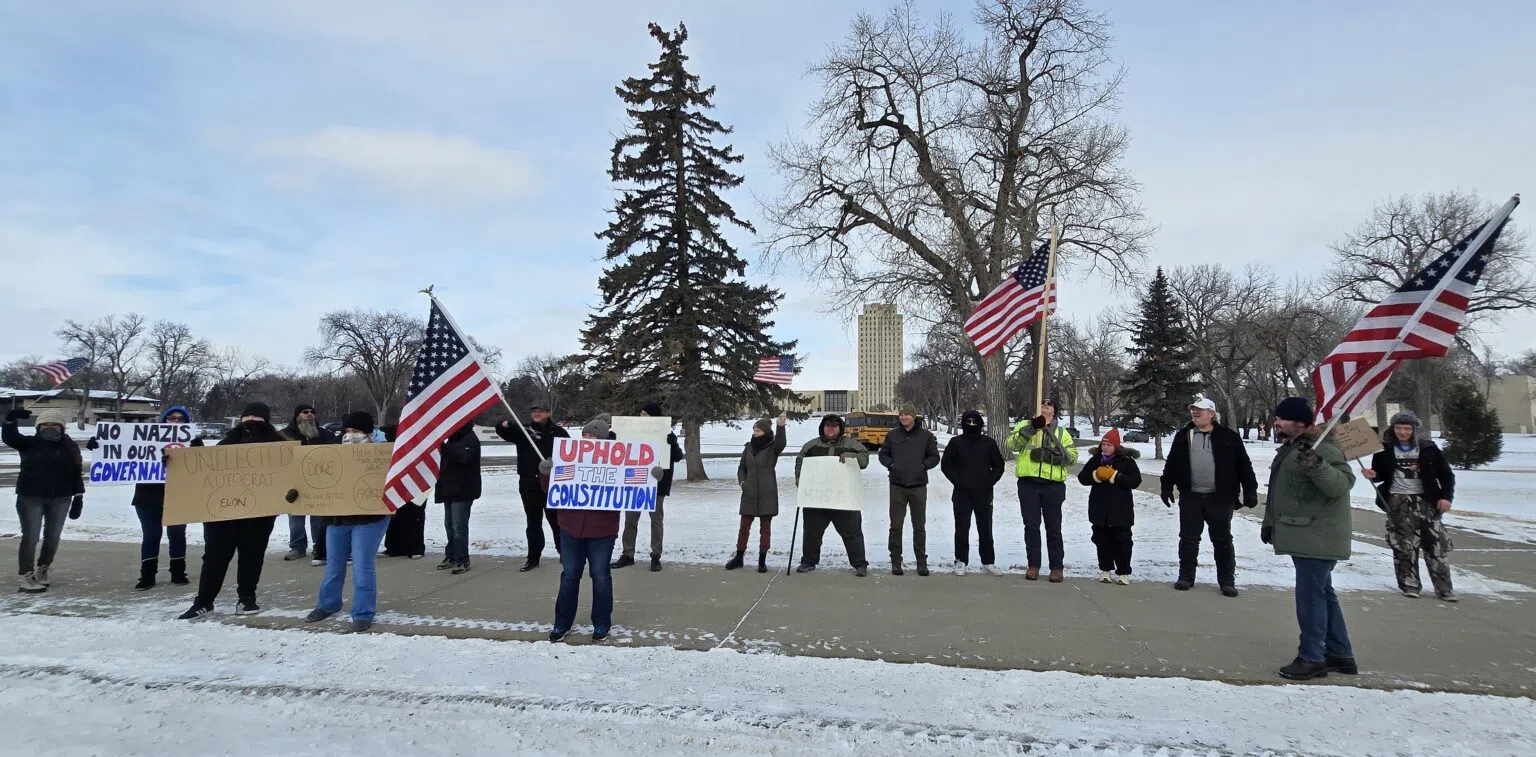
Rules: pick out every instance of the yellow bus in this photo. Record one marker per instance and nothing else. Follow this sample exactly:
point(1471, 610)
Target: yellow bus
point(870, 428)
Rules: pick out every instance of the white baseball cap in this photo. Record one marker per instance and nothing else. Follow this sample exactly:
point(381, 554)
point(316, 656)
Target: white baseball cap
point(1203, 403)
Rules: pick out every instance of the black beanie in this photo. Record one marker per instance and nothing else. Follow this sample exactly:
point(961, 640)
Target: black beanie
point(359, 420)
point(258, 409)
point(653, 410)
point(1294, 409)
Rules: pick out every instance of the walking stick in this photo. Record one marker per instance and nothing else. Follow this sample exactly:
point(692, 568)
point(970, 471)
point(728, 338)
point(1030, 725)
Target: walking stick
point(790, 563)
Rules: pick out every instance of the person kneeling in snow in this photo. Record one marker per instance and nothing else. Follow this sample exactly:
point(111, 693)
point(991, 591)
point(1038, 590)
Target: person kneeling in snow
point(1113, 477)
point(586, 541)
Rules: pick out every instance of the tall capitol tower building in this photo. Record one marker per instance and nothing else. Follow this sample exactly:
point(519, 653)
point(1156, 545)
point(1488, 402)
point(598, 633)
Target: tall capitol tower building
point(880, 356)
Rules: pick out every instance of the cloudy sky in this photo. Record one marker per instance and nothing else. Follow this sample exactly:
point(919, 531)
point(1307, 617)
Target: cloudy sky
point(244, 166)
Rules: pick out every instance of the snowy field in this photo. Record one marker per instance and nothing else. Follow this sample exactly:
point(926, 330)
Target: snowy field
point(111, 687)
point(701, 522)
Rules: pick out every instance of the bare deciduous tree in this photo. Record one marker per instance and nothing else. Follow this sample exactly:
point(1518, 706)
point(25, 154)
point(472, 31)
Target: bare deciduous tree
point(942, 382)
point(115, 345)
point(1224, 312)
point(938, 162)
point(379, 348)
point(1095, 360)
point(548, 373)
point(177, 364)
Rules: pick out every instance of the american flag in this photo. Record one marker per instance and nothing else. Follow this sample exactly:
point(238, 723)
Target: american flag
point(778, 370)
point(61, 370)
point(1013, 305)
point(636, 477)
point(448, 389)
point(563, 473)
point(1419, 320)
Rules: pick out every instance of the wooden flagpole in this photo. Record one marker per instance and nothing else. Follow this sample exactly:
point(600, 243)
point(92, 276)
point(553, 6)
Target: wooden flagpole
point(1047, 299)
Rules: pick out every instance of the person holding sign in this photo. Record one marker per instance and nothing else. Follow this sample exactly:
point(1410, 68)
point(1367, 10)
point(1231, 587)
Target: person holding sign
point(149, 503)
point(50, 484)
point(909, 452)
point(849, 523)
point(247, 537)
point(1415, 485)
point(586, 538)
point(757, 474)
point(632, 520)
point(354, 539)
point(306, 430)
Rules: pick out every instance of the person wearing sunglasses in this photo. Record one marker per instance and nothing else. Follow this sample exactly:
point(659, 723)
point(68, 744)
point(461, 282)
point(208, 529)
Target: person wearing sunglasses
point(306, 430)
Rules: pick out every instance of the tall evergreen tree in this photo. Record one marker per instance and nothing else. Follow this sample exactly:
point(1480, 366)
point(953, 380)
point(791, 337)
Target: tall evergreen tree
point(1160, 386)
point(679, 323)
point(1476, 436)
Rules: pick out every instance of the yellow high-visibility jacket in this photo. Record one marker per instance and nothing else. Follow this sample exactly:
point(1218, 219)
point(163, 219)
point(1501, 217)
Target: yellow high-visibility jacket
point(1056, 454)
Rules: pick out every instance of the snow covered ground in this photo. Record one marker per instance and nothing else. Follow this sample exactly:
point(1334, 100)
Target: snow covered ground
point(114, 687)
point(701, 522)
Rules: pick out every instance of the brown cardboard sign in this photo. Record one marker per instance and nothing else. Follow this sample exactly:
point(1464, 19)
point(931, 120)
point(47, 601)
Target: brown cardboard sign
point(1357, 438)
point(205, 484)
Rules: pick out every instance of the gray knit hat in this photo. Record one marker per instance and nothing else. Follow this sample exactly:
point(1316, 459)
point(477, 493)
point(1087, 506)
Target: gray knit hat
point(597, 428)
point(1404, 418)
point(52, 415)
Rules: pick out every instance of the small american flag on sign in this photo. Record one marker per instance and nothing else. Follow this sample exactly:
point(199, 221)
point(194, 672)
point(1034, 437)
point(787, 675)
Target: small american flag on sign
point(636, 477)
point(563, 473)
point(61, 370)
point(778, 370)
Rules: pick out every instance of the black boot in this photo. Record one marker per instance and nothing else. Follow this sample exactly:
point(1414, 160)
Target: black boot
point(624, 561)
point(147, 570)
point(1302, 670)
point(179, 571)
point(762, 561)
point(736, 560)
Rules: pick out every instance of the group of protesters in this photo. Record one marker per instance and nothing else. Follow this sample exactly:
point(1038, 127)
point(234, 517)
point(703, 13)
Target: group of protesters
point(1208, 475)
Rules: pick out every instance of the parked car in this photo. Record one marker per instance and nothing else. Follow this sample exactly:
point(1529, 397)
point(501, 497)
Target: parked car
point(1135, 435)
point(334, 427)
point(212, 430)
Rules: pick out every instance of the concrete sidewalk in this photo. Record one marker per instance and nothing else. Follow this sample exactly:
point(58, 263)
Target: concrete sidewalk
point(1479, 645)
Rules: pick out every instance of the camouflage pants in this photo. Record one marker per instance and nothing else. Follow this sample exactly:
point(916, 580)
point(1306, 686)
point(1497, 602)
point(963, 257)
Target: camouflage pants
point(1414, 526)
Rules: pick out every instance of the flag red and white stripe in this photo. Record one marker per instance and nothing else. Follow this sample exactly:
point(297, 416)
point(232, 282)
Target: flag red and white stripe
point(778, 370)
point(1013, 305)
point(59, 371)
point(449, 387)
point(1418, 320)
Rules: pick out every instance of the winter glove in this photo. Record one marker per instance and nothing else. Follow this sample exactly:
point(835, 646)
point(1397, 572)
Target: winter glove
point(1267, 534)
point(1055, 457)
point(1168, 499)
point(842, 457)
point(292, 496)
point(546, 465)
point(1251, 500)
point(1104, 474)
point(1035, 455)
point(17, 414)
point(91, 444)
point(76, 506)
point(1037, 422)
point(1307, 457)
point(657, 472)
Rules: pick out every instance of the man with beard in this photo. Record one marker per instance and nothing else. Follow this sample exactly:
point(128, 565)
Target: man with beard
point(305, 430)
point(222, 540)
point(541, 431)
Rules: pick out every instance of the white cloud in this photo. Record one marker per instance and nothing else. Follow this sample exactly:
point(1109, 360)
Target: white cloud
point(414, 166)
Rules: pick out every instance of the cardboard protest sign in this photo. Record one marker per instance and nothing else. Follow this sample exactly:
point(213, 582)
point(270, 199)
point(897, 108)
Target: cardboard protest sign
point(600, 474)
point(829, 483)
point(1357, 438)
point(644, 428)
point(129, 453)
point(205, 484)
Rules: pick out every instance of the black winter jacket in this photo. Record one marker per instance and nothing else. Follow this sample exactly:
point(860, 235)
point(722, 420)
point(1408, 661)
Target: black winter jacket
point(48, 469)
point(909, 455)
point(256, 432)
point(973, 463)
point(1434, 471)
point(459, 478)
point(1235, 481)
point(1113, 503)
point(664, 486)
point(544, 435)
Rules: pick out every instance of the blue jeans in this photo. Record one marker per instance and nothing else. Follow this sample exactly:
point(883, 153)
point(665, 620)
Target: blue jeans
point(1317, 612)
point(150, 519)
point(361, 543)
point(296, 538)
point(456, 524)
point(574, 554)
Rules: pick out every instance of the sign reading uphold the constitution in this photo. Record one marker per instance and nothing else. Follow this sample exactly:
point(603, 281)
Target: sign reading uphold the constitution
point(129, 453)
point(205, 484)
point(599, 474)
point(830, 484)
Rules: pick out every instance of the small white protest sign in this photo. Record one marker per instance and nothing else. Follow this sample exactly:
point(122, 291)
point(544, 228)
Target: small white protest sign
point(829, 483)
point(129, 453)
point(644, 428)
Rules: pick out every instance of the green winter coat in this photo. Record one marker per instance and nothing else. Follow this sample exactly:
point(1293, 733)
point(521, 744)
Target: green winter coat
point(1308, 510)
point(819, 447)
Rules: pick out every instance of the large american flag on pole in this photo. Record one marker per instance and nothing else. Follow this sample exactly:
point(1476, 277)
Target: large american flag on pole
point(448, 389)
point(778, 370)
point(61, 370)
point(1419, 320)
point(1013, 305)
